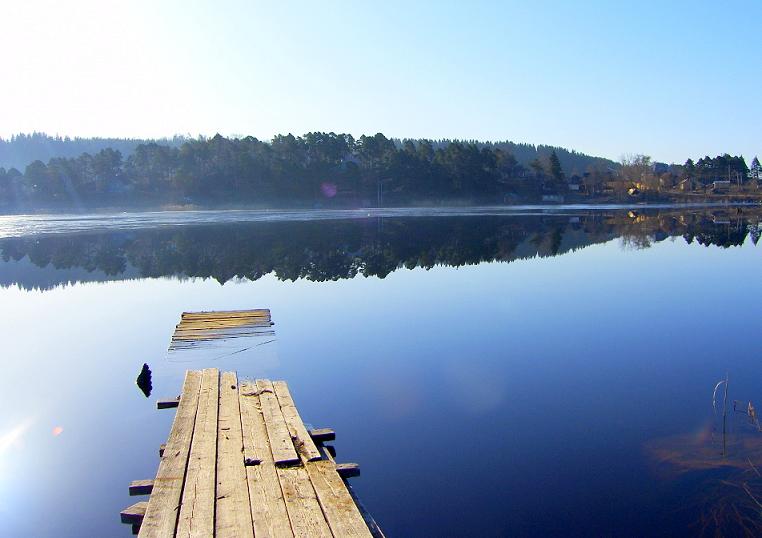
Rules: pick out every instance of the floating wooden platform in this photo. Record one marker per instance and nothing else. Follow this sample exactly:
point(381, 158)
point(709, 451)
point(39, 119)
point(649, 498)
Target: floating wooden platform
point(239, 462)
point(202, 329)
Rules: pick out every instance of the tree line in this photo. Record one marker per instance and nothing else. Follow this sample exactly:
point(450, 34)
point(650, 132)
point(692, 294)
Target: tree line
point(718, 172)
point(19, 150)
point(336, 170)
point(316, 169)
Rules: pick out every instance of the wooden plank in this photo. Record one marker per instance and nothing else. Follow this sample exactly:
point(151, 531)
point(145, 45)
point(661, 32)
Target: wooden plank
point(193, 316)
point(134, 514)
point(197, 508)
point(227, 326)
point(321, 435)
point(233, 513)
point(281, 445)
point(375, 529)
point(335, 500)
point(189, 338)
point(168, 404)
point(301, 439)
point(161, 515)
point(304, 512)
point(348, 470)
point(223, 322)
point(141, 487)
point(268, 508)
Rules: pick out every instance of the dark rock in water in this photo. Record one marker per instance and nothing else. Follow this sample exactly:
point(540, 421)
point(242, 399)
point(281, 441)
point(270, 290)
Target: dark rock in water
point(144, 380)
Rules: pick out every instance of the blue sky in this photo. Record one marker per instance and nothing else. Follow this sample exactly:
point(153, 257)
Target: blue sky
point(668, 79)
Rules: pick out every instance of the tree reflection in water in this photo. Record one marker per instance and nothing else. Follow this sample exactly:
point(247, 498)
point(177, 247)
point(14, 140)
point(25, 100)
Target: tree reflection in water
point(340, 249)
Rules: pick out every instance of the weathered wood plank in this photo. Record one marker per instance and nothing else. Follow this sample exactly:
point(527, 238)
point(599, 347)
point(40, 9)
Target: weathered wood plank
point(321, 435)
point(134, 514)
point(194, 329)
point(281, 445)
point(375, 529)
point(141, 487)
point(192, 316)
point(168, 403)
point(268, 508)
point(237, 328)
point(161, 515)
point(335, 500)
point(304, 512)
point(348, 470)
point(233, 516)
point(301, 439)
point(197, 509)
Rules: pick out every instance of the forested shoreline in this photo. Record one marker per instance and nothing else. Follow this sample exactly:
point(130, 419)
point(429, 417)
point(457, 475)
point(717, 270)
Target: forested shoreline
point(337, 170)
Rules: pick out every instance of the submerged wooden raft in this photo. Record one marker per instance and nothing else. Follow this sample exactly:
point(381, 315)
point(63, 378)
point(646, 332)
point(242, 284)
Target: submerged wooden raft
point(239, 462)
point(200, 329)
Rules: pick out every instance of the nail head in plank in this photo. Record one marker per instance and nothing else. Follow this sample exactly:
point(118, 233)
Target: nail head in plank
point(268, 509)
point(321, 435)
point(281, 445)
point(302, 440)
point(340, 509)
point(161, 515)
point(135, 513)
point(141, 487)
point(233, 514)
point(197, 508)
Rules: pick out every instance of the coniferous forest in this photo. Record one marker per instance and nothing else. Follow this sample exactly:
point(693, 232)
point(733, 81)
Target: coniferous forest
point(327, 170)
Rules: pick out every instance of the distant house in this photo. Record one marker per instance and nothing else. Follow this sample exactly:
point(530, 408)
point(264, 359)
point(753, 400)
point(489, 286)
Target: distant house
point(721, 185)
point(574, 183)
point(557, 198)
point(688, 184)
point(660, 168)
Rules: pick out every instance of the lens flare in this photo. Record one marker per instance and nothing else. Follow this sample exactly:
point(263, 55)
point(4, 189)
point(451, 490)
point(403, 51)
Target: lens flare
point(328, 189)
point(13, 437)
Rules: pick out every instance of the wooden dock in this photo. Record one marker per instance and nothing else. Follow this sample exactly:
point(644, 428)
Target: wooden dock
point(233, 331)
point(239, 462)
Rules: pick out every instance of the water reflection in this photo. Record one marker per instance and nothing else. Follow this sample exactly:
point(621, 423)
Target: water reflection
point(547, 377)
point(332, 250)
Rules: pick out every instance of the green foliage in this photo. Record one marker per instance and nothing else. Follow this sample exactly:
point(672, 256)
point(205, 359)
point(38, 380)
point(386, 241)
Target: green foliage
point(319, 170)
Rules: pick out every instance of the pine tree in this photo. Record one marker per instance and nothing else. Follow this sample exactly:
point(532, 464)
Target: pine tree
point(555, 168)
point(756, 169)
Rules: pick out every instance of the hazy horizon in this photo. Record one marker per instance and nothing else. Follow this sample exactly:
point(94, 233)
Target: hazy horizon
point(671, 81)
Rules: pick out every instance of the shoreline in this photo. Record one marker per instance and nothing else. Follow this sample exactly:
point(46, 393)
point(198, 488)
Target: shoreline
point(64, 223)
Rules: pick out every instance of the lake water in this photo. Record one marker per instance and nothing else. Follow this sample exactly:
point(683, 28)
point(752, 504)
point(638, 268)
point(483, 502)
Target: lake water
point(539, 373)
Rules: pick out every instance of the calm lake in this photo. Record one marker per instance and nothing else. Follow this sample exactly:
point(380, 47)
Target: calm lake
point(543, 372)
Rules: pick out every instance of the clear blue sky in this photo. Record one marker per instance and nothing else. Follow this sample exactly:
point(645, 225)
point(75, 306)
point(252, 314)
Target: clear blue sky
point(668, 79)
